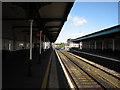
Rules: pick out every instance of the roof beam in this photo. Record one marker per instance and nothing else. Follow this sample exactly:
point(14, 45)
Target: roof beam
point(52, 26)
point(24, 27)
point(39, 19)
point(52, 31)
point(29, 31)
point(52, 19)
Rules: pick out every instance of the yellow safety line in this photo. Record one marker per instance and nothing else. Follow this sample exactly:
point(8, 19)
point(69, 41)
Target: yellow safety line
point(44, 83)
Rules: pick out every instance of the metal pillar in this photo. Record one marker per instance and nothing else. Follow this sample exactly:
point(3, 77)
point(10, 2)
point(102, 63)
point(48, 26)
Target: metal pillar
point(95, 45)
point(44, 43)
point(40, 41)
point(14, 40)
point(30, 58)
point(40, 47)
point(82, 45)
point(113, 44)
point(102, 45)
point(89, 44)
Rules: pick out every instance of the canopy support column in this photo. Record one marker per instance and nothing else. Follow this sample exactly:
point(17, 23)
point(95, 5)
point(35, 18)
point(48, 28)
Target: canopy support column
point(30, 58)
point(102, 44)
point(44, 43)
point(40, 47)
point(89, 45)
point(95, 45)
point(113, 44)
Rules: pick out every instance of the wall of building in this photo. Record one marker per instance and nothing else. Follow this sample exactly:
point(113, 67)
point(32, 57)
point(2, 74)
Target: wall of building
point(117, 43)
point(15, 39)
point(110, 44)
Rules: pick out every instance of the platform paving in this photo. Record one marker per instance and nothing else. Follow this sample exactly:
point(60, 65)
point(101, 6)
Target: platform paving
point(57, 79)
point(53, 75)
point(15, 69)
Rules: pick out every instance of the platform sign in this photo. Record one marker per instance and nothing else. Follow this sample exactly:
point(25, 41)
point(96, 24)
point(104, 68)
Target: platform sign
point(39, 35)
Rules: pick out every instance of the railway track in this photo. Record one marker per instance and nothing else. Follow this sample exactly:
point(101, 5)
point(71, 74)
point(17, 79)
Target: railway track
point(108, 62)
point(86, 74)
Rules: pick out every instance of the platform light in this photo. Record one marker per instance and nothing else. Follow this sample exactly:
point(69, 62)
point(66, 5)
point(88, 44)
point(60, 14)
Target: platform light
point(21, 44)
point(9, 46)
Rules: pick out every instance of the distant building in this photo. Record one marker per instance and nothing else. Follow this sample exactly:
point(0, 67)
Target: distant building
point(70, 44)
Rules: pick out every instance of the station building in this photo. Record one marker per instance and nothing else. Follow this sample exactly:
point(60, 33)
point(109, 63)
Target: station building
point(29, 30)
point(104, 41)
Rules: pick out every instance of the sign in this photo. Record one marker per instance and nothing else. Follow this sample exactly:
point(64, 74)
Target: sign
point(39, 35)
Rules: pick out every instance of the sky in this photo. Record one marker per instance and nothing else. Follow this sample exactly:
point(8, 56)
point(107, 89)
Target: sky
point(88, 17)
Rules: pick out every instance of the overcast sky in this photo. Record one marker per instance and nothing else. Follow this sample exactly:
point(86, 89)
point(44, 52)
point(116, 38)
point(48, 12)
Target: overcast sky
point(88, 17)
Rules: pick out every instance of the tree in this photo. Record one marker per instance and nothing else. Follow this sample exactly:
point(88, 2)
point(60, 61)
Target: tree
point(62, 45)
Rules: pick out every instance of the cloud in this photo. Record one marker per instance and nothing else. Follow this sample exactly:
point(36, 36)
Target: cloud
point(77, 21)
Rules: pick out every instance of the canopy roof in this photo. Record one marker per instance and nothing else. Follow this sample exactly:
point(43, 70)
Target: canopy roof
point(101, 33)
point(47, 16)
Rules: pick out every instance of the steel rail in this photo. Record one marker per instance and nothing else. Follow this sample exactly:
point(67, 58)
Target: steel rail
point(80, 71)
point(99, 68)
point(92, 76)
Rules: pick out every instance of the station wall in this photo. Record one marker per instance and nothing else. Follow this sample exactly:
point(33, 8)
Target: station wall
point(15, 39)
point(102, 44)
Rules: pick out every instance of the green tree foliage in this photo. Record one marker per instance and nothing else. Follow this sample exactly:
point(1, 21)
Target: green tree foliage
point(62, 45)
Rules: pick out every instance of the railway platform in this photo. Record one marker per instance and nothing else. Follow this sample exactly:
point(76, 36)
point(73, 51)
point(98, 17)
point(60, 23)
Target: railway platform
point(29, 32)
point(54, 76)
point(58, 69)
point(47, 74)
point(26, 26)
point(15, 69)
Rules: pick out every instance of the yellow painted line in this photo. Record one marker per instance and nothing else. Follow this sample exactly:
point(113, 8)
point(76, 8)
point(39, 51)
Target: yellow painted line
point(44, 83)
point(65, 72)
